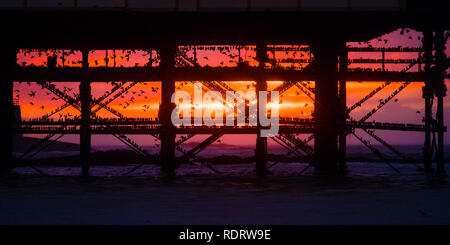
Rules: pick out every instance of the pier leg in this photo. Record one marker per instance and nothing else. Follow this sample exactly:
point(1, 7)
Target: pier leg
point(326, 106)
point(167, 154)
point(440, 143)
point(440, 93)
point(261, 142)
point(8, 60)
point(85, 127)
point(343, 64)
point(427, 94)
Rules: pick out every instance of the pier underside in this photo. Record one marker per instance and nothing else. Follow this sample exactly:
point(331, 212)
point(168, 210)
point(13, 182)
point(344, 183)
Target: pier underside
point(325, 34)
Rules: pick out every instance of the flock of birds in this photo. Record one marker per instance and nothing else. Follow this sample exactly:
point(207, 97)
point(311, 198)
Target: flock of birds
point(232, 54)
point(135, 94)
point(233, 57)
point(28, 55)
point(33, 100)
point(73, 58)
point(402, 32)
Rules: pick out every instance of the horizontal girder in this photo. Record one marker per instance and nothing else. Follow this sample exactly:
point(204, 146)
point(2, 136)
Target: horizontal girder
point(104, 74)
point(128, 126)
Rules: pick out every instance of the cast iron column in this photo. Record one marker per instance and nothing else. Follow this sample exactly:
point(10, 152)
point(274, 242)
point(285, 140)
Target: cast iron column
point(7, 64)
point(343, 64)
point(85, 127)
point(440, 93)
point(167, 136)
point(427, 94)
point(261, 85)
point(326, 105)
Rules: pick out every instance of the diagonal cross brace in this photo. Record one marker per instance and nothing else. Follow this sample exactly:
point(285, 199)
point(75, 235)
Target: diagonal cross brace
point(375, 151)
point(387, 145)
point(378, 89)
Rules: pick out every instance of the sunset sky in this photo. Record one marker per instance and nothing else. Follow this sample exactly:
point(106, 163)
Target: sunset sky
point(143, 99)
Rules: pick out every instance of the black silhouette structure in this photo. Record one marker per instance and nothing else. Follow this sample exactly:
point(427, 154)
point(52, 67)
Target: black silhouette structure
point(326, 32)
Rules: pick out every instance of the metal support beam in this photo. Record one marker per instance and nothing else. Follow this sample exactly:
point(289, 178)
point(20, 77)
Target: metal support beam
point(243, 73)
point(343, 65)
point(440, 93)
point(261, 142)
point(85, 134)
point(168, 134)
point(427, 94)
point(7, 62)
point(326, 104)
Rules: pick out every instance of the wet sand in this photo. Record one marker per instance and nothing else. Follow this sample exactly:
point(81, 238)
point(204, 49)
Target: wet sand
point(234, 197)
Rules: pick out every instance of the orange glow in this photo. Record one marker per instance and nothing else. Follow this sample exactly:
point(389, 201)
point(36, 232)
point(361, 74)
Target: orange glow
point(143, 99)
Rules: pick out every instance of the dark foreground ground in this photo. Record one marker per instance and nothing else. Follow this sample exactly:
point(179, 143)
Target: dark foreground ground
point(204, 198)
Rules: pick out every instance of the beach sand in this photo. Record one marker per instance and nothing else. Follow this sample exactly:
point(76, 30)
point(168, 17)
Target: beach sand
point(196, 196)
